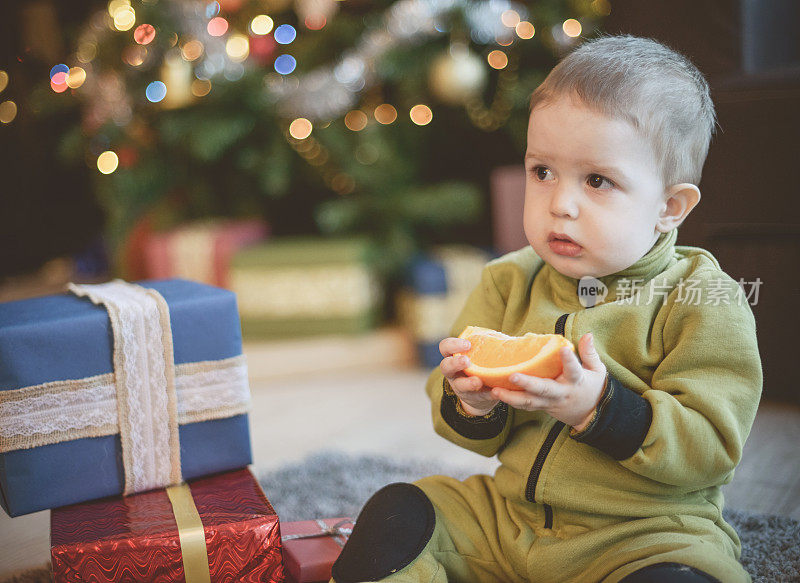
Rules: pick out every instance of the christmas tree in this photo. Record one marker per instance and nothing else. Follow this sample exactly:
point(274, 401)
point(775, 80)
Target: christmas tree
point(376, 116)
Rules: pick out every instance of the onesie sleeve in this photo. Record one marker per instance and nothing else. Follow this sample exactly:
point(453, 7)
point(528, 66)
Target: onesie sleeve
point(689, 426)
point(484, 434)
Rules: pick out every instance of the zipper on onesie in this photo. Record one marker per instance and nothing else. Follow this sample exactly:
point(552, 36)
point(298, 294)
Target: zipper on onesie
point(533, 477)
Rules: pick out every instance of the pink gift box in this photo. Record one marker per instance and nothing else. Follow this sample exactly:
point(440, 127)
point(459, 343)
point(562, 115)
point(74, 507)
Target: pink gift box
point(201, 251)
point(310, 547)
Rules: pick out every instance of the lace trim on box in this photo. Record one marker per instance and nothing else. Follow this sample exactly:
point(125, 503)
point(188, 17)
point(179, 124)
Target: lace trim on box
point(73, 409)
point(144, 375)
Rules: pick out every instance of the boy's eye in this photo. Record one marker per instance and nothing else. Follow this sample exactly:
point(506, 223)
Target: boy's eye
point(540, 172)
point(596, 181)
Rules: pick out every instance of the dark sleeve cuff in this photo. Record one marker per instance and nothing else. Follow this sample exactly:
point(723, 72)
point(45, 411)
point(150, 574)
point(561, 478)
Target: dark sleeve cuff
point(621, 421)
point(471, 426)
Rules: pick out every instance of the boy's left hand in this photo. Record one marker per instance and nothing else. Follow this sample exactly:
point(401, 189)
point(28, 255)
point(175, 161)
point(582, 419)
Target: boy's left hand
point(571, 397)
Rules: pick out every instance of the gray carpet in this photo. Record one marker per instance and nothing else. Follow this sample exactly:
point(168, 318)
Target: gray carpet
point(330, 484)
point(770, 544)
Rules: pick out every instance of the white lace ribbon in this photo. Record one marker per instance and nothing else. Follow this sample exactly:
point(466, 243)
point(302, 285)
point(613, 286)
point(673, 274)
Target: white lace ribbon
point(73, 409)
point(145, 382)
point(143, 400)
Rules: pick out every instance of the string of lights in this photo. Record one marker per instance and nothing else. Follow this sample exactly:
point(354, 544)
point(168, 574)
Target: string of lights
point(208, 43)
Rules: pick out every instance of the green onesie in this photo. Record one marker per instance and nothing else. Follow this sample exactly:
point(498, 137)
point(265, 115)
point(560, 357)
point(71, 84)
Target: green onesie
point(641, 484)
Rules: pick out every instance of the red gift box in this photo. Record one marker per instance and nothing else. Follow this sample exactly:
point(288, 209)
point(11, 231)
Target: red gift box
point(200, 251)
point(136, 538)
point(310, 547)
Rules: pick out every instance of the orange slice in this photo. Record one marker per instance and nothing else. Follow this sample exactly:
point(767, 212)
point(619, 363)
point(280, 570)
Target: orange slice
point(495, 356)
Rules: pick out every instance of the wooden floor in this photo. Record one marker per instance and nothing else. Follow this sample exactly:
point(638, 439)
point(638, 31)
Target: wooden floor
point(365, 395)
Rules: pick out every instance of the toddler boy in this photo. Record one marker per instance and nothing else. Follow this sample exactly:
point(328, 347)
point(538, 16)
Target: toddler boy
point(612, 471)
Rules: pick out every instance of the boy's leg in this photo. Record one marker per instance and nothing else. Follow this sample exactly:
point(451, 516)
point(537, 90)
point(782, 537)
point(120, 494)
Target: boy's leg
point(435, 530)
point(694, 547)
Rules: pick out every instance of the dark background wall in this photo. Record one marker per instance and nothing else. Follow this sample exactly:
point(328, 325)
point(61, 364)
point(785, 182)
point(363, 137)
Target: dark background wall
point(749, 51)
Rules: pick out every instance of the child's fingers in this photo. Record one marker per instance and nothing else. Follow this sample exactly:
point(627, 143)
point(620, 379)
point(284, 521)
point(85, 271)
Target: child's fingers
point(466, 384)
point(449, 346)
point(453, 364)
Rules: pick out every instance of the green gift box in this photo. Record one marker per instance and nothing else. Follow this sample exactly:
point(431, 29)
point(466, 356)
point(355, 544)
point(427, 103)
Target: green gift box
point(304, 286)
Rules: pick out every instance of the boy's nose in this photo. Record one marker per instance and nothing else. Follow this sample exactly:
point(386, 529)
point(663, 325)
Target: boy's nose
point(564, 202)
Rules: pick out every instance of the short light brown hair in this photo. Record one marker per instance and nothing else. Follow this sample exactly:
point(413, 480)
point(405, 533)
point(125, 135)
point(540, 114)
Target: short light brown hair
point(654, 88)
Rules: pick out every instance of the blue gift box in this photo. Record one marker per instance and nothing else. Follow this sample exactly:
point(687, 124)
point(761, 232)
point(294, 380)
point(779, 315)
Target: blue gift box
point(62, 337)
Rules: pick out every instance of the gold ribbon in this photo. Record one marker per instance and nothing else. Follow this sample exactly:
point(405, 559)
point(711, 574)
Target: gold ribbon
point(192, 536)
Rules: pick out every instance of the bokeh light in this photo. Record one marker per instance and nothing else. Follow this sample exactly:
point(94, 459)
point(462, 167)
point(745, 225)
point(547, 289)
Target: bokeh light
point(237, 47)
point(86, 51)
point(107, 162)
point(572, 27)
point(58, 69)
point(76, 77)
point(212, 9)
point(601, 7)
point(58, 82)
point(510, 18)
point(233, 72)
point(285, 34)
point(421, 114)
point(217, 26)
point(505, 40)
point(525, 30)
point(144, 34)
point(124, 18)
point(3, 80)
point(261, 24)
point(497, 60)
point(300, 128)
point(343, 184)
point(385, 114)
point(192, 50)
point(367, 154)
point(156, 91)
point(8, 111)
point(201, 87)
point(315, 21)
point(355, 120)
point(285, 64)
point(134, 55)
point(115, 5)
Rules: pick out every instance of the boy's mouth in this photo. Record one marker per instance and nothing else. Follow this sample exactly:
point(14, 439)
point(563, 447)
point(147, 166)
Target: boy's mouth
point(559, 237)
point(563, 245)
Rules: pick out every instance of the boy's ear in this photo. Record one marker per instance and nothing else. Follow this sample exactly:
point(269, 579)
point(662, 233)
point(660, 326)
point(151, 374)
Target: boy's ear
point(679, 201)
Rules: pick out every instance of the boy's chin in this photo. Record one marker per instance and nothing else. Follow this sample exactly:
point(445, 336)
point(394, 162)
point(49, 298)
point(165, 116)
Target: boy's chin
point(571, 267)
point(567, 270)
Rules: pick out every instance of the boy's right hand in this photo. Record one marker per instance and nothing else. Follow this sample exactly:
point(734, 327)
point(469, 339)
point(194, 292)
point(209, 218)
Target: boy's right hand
point(475, 397)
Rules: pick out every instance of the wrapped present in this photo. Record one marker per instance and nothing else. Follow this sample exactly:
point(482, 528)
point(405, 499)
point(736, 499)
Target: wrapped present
point(119, 388)
point(310, 547)
point(299, 286)
point(216, 528)
point(200, 251)
point(436, 289)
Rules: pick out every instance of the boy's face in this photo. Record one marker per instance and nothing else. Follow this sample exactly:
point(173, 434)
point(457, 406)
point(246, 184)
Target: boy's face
point(594, 179)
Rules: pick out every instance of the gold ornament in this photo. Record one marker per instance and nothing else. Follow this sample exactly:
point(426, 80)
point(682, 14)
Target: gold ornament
point(457, 75)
